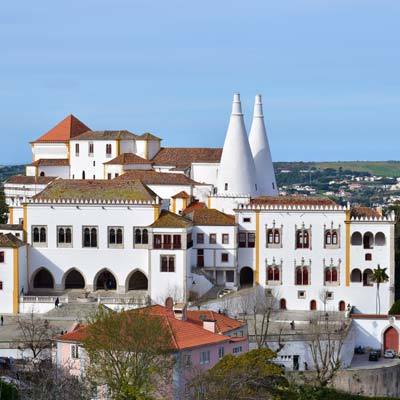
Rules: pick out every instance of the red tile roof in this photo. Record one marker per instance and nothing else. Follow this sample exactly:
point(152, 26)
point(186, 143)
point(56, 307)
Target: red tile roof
point(151, 177)
point(209, 216)
point(128, 158)
point(293, 200)
point(359, 211)
point(106, 135)
point(181, 195)
point(183, 157)
point(224, 324)
point(148, 136)
point(193, 206)
point(51, 162)
point(9, 240)
point(168, 219)
point(184, 334)
point(29, 180)
point(65, 130)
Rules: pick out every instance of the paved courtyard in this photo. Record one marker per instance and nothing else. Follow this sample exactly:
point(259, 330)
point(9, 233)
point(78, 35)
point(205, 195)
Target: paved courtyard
point(360, 361)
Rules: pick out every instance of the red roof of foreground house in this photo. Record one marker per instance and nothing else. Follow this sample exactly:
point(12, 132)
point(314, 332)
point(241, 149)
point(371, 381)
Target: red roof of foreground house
point(65, 130)
point(224, 323)
point(184, 334)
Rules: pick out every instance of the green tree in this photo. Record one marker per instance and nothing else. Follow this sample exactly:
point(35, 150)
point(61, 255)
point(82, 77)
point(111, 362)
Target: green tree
point(379, 276)
point(129, 353)
point(248, 376)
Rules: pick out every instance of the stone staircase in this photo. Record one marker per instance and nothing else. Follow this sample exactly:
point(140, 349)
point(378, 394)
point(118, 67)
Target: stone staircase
point(75, 311)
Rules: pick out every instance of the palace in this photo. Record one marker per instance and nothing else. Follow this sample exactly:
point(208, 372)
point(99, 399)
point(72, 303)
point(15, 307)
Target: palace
point(115, 211)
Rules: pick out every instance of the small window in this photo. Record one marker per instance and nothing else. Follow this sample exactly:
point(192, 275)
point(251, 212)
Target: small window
point(74, 351)
point(368, 257)
point(251, 239)
point(213, 238)
point(205, 357)
point(1, 285)
point(91, 149)
point(221, 352)
point(225, 238)
point(200, 238)
point(301, 294)
point(157, 241)
point(187, 360)
point(246, 219)
point(108, 150)
point(176, 242)
point(224, 257)
point(116, 175)
point(230, 276)
point(39, 235)
point(226, 186)
point(1, 256)
point(89, 236)
point(115, 236)
point(77, 149)
point(167, 263)
point(64, 236)
point(237, 350)
point(108, 176)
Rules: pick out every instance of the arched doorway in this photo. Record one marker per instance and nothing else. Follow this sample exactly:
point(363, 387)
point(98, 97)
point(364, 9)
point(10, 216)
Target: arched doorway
point(74, 280)
point(391, 339)
point(342, 305)
point(313, 305)
point(105, 281)
point(169, 303)
point(138, 281)
point(246, 276)
point(43, 280)
point(282, 304)
point(368, 277)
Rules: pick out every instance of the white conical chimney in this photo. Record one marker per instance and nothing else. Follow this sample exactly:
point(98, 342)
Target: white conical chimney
point(258, 140)
point(236, 173)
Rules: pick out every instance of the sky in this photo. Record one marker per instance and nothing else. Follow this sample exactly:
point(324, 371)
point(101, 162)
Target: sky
point(329, 72)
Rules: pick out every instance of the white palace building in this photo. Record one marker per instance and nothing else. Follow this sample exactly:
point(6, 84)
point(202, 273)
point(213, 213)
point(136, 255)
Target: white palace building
point(115, 211)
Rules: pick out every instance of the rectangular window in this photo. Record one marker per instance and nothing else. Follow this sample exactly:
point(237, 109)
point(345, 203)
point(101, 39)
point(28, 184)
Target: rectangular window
point(167, 263)
point(200, 238)
point(89, 236)
point(221, 352)
point(189, 241)
point(237, 350)
point(167, 243)
point(1, 285)
point(230, 276)
point(64, 236)
point(224, 257)
point(140, 236)
point(242, 239)
point(273, 237)
point(213, 238)
point(74, 351)
point(225, 238)
point(246, 219)
point(39, 235)
point(108, 150)
point(91, 149)
point(1, 256)
point(77, 149)
point(303, 239)
point(368, 257)
point(157, 241)
point(176, 244)
point(187, 360)
point(115, 236)
point(251, 239)
point(205, 357)
point(108, 176)
point(200, 257)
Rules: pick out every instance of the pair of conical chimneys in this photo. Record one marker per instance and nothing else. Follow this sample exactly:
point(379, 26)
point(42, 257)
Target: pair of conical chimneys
point(246, 165)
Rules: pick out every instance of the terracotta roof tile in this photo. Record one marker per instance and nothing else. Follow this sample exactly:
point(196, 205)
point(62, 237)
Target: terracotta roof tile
point(224, 323)
point(151, 177)
point(168, 219)
point(148, 136)
point(359, 211)
point(9, 240)
point(181, 195)
point(29, 180)
point(193, 206)
point(128, 158)
point(106, 135)
point(209, 216)
point(51, 162)
point(78, 334)
point(65, 130)
point(293, 200)
point(97, 190)
point(183, 157)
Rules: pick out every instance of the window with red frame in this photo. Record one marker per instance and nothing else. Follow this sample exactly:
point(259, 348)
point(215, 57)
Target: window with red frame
point(167, 263)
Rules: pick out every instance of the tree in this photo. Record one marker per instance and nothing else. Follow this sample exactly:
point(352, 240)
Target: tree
point(324, 297)
point(35, 334)
point(379, 276)
point(325, 342)
point(3, 208)
point(129, 353)
point(248, 376)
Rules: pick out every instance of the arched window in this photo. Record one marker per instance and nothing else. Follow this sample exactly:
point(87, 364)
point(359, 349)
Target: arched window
point(36, 234)
point(119, 236)
point(282, 304)
point(93, 237)
point(334, 237)
point(277, 237)
point(342, 305)
point(299, 276)
point(367, 277)
point(68, 235)
point(270, 236)
point(111, 236)
point(145, 236)
point(313, 305)
point(42, 235)
point(61, 235)
point(302, 276)
point(356, 239)
point(270, 274)
point(334, 274)
point(276, 274)
point(368, 240)
point(328, 275)
point(302, 239)
point(138, 236)
point(380, 239)
point(305, 276)
point(42, 173)
point(328, 238)
point(355, 275)
point(86, 237)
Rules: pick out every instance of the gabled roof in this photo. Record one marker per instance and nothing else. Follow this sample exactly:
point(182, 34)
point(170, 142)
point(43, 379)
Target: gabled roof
point(183, 157)
point(128, 158)
point(209, 216)
point(181, 195)
point(9, 240)
point(67, 129)
point(29, 180)
point(106, 135)
point(51, 162)
point(148, 136)
point(194, 205)
point(293, 200)
point(96, 190)
point(169, 219)
point(151, 177)
point(224, 324)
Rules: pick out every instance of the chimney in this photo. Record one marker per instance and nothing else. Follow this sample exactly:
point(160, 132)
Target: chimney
point(179, 310)
point(210, 325)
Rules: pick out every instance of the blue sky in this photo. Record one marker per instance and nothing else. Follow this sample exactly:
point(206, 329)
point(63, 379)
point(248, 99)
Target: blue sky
point(329, 72)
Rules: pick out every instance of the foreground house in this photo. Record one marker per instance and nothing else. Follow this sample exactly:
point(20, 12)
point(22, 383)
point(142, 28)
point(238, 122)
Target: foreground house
point(200, 339)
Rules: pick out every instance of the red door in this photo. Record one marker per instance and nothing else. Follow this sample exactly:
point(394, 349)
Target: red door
point(391, 339)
